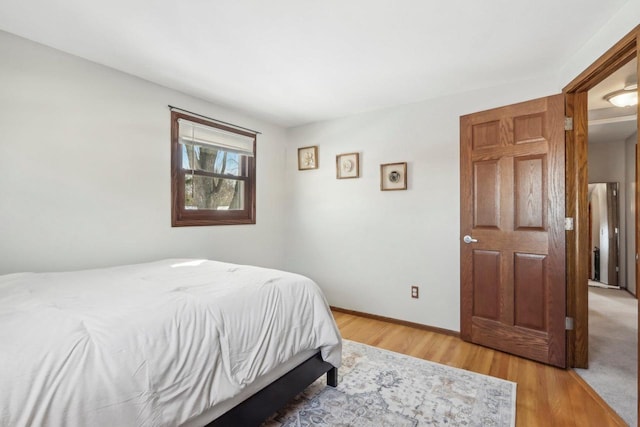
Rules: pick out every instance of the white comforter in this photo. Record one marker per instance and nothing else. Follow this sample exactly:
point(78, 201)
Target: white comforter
point(151, 344)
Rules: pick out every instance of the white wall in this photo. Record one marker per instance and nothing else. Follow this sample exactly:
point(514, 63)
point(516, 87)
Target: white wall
point(630, 211)
point(84, 160)
point(366, 247)
point(84, 157)
point(607, 163)
point(627, 18)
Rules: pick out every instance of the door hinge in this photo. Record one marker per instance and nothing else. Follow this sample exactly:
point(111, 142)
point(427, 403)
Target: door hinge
point(568, 123)
point(568, 223)
point(568, 323)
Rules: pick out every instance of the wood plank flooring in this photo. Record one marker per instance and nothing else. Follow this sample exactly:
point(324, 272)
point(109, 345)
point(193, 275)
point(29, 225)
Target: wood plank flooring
point(546, 396)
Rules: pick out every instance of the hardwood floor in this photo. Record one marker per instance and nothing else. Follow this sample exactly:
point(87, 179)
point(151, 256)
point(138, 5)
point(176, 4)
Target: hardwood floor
point(546, 396)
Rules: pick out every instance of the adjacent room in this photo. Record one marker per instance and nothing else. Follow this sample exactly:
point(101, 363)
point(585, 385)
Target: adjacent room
point(239, 213)
point(613, 308)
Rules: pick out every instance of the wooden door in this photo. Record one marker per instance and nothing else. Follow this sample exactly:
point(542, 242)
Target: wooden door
point(512, 205)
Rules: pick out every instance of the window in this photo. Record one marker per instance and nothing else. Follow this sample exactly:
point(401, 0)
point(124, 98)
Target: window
point(213, 173)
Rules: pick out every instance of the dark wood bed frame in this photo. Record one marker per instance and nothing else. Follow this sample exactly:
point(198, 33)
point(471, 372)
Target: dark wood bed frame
point(257, 408)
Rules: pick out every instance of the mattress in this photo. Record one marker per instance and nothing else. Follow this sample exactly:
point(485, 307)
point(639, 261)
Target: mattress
point(156, 344)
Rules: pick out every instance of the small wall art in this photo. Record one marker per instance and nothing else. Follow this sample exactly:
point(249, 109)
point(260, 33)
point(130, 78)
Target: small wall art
point(393, 176)
point(308, 158)
point(348, 165)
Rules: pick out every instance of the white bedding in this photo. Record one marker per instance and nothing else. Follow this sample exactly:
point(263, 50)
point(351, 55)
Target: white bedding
point(154, 344)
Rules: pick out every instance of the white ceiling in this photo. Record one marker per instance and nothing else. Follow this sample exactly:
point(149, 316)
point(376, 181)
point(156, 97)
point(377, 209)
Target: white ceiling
point(299, 61)
point(606, 122)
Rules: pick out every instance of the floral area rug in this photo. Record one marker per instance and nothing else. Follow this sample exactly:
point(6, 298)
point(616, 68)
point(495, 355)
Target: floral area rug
point(382, 388)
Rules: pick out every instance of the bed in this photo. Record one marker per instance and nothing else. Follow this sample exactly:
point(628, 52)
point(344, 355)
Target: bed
point(168, 343)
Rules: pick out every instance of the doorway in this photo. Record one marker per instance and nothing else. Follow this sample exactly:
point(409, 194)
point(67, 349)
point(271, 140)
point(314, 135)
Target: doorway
point(578, 243)
point(613, 309)
point(611, 175)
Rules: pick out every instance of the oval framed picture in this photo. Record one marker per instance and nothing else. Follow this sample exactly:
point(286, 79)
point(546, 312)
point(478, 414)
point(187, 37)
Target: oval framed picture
point(393, 176)
point(348, 165)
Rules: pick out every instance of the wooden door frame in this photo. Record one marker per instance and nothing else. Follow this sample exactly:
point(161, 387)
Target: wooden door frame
point(577, 244)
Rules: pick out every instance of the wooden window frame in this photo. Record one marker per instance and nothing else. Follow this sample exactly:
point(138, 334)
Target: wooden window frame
point(181, 217)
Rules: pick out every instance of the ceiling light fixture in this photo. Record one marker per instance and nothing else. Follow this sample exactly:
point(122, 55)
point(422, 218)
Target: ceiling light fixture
point(625, 97)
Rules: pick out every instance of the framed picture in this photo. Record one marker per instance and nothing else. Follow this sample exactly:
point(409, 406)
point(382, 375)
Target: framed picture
point(348, 165)
point(308, 158)
point(393, 176)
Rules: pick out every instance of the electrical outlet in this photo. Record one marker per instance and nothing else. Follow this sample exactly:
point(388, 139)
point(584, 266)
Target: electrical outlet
point(414, 292)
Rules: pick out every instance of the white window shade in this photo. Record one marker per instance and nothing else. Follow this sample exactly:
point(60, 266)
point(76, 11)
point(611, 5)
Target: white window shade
point(191, 133)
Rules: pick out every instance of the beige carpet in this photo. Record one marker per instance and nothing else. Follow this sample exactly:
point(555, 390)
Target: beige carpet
point(613, 350)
